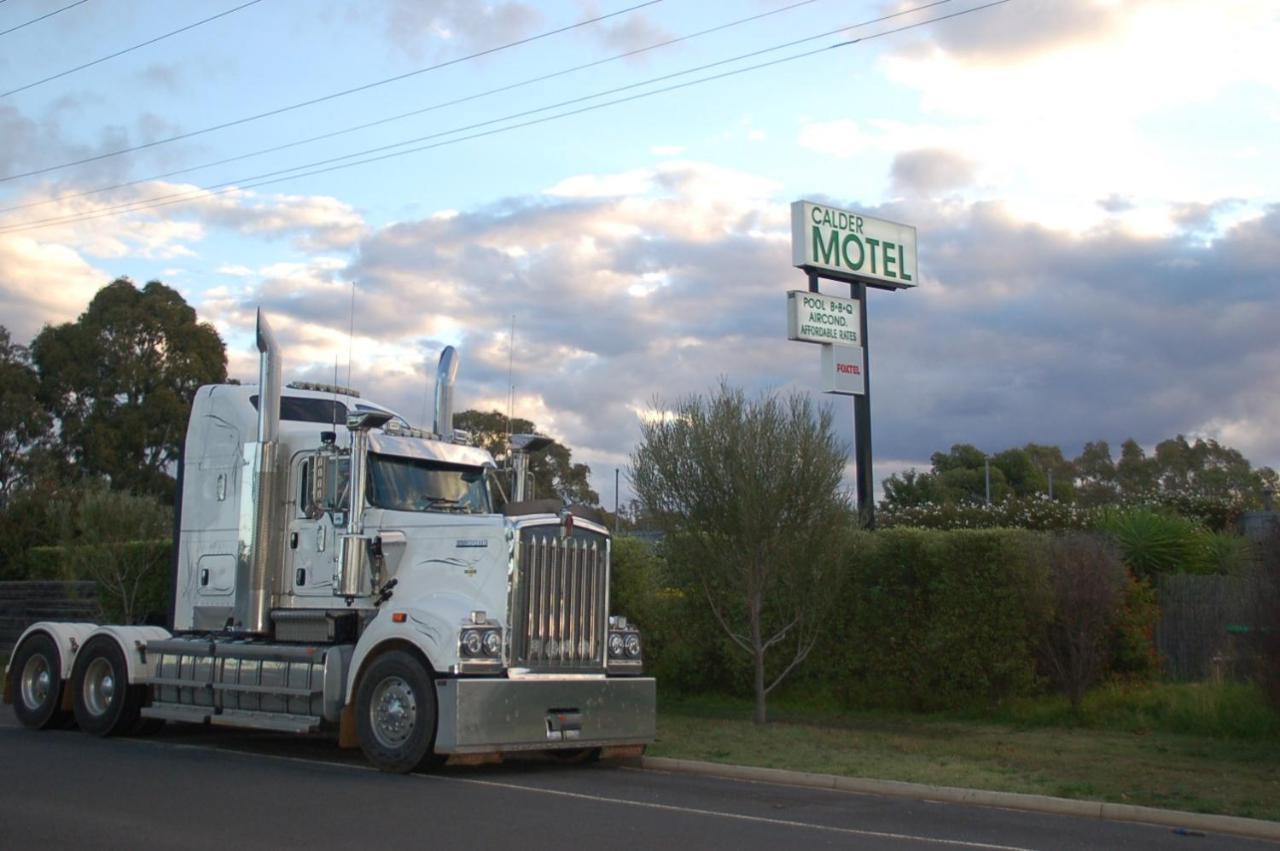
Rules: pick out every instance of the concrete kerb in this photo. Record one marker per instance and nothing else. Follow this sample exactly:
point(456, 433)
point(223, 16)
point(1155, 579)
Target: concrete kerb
point(1253, 828)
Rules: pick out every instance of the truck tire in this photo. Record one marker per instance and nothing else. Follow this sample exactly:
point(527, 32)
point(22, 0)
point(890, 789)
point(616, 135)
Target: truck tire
point(105, 703)
point(396, 713)
point(37, 684)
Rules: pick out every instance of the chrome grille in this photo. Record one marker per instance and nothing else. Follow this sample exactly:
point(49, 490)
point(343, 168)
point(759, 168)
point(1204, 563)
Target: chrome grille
point(560, 596)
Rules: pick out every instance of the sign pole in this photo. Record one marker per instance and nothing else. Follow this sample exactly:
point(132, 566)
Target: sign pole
point(863, 251)
point(862, 420)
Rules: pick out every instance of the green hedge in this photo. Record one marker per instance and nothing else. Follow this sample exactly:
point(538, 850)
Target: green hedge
point(925, 620)
point(935, 620)
point(155, 592)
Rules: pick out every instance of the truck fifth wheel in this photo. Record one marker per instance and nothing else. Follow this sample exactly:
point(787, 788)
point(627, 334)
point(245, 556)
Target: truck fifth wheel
point(337, 570)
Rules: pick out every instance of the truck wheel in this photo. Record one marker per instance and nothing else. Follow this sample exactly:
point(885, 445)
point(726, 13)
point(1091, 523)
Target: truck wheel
point(396, 713)
point(105, 703)
point(37, 684)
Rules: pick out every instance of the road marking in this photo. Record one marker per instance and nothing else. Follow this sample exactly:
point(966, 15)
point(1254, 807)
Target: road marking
point(849, 831)
point(846, 831)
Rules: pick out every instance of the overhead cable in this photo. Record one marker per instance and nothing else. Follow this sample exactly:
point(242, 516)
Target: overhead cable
point(42, 17)
point(421, 111)
point(127, 206)
point(149, 41)
point(323, 98)
point(271, 178)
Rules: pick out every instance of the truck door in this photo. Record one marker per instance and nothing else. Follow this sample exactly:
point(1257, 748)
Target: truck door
point(313, 552)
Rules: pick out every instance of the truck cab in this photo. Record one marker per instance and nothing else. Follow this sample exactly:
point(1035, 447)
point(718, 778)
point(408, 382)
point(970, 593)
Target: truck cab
point(338, 569)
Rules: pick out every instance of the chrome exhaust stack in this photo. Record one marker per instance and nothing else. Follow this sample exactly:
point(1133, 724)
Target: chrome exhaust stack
point(446, 373)
point(261, 544)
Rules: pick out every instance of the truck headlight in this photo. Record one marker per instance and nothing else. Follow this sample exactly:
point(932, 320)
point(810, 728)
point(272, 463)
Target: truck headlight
point(616, 645)
point(492, 642)
point(472, 643)
point(632, 644)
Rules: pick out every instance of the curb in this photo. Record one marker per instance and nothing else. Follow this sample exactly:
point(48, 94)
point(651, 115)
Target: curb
point(1234, 825)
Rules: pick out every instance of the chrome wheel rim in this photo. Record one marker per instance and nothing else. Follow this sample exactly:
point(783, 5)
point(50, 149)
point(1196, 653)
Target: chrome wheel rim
point(37, 682)
point(393, 712)
point(99, 686)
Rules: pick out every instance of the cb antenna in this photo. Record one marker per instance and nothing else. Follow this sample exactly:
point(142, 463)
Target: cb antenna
point(335, 395)
point(511, 386)
point(351, 331)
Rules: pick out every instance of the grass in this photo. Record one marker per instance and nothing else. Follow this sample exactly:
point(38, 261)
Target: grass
point(1177, 747)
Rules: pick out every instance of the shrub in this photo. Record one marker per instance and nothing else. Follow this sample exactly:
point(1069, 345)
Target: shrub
point(1086, 583)
point(683, 646)
point(935, 620)
point(1032, 512)
point(1132, 652)
point(1153, 542)
point(119, 540)
point(145, 596)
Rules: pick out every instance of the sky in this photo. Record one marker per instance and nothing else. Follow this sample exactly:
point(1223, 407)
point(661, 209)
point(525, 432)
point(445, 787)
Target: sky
point(1094, 185)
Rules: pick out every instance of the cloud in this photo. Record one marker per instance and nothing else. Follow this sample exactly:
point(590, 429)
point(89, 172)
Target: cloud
point(928, 171)
point(1018, 331)
point(42, 283)
point(1088, 113)
point(653, 283)
point(423, 28)
point(158, 216)
point(840, 138)
point(30, 143)
point(629, 32)
point(1015, 31)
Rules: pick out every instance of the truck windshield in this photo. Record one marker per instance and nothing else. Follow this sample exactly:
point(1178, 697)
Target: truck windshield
point(413, 484)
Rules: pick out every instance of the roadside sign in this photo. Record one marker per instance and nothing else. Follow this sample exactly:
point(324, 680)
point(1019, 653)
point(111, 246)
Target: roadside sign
point(818, 318)
point(850, 246)
point(843, 370)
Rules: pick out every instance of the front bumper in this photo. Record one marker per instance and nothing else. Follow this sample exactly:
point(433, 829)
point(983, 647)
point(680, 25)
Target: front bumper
point(488, 715)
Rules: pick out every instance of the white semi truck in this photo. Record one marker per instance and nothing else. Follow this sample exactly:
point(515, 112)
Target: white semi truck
point(336, 570)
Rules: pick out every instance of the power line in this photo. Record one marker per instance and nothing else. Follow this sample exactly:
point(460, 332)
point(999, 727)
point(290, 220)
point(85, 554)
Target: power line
point(129, 206)
point(328, 97)
point(326, 166)
point(149, 41)
point(271, 178)
point(421, 111)
point(42, 17)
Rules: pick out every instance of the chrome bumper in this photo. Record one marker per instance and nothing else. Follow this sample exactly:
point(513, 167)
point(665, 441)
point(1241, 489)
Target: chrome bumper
point(483, 715)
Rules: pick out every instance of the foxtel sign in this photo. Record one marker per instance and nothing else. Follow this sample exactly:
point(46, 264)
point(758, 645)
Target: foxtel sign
point(852, 247)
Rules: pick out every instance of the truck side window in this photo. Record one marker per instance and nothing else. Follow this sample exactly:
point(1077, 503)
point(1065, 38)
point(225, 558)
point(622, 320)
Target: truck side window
point(305, 503)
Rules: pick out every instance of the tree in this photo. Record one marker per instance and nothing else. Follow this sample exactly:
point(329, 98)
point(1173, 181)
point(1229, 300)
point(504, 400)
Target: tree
point(1050, 460)
point(748, 494)
point(1086, 583)
point(1096, 474)
point(23, 421)
point(554, 471)
point(911, 488)
point(1136, 474)
point(120, 380)
point(1020, 472)
point(963, 474)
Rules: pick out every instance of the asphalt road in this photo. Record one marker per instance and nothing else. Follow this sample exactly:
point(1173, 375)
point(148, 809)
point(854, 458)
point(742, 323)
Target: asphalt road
point(192, 788)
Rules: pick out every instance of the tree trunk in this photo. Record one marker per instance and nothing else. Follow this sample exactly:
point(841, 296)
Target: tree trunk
point(757, 650)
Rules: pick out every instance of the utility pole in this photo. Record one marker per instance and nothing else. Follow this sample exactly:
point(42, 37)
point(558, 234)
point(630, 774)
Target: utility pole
point(986, 472)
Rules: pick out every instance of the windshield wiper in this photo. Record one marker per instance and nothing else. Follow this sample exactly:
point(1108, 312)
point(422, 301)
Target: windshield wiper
point(445, 502)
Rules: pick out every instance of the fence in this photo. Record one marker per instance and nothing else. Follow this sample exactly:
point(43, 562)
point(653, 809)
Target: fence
point(24, 603)
point(1203, 631)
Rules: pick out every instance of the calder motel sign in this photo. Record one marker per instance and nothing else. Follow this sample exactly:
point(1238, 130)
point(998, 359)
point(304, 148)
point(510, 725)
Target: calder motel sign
point(849, 246)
